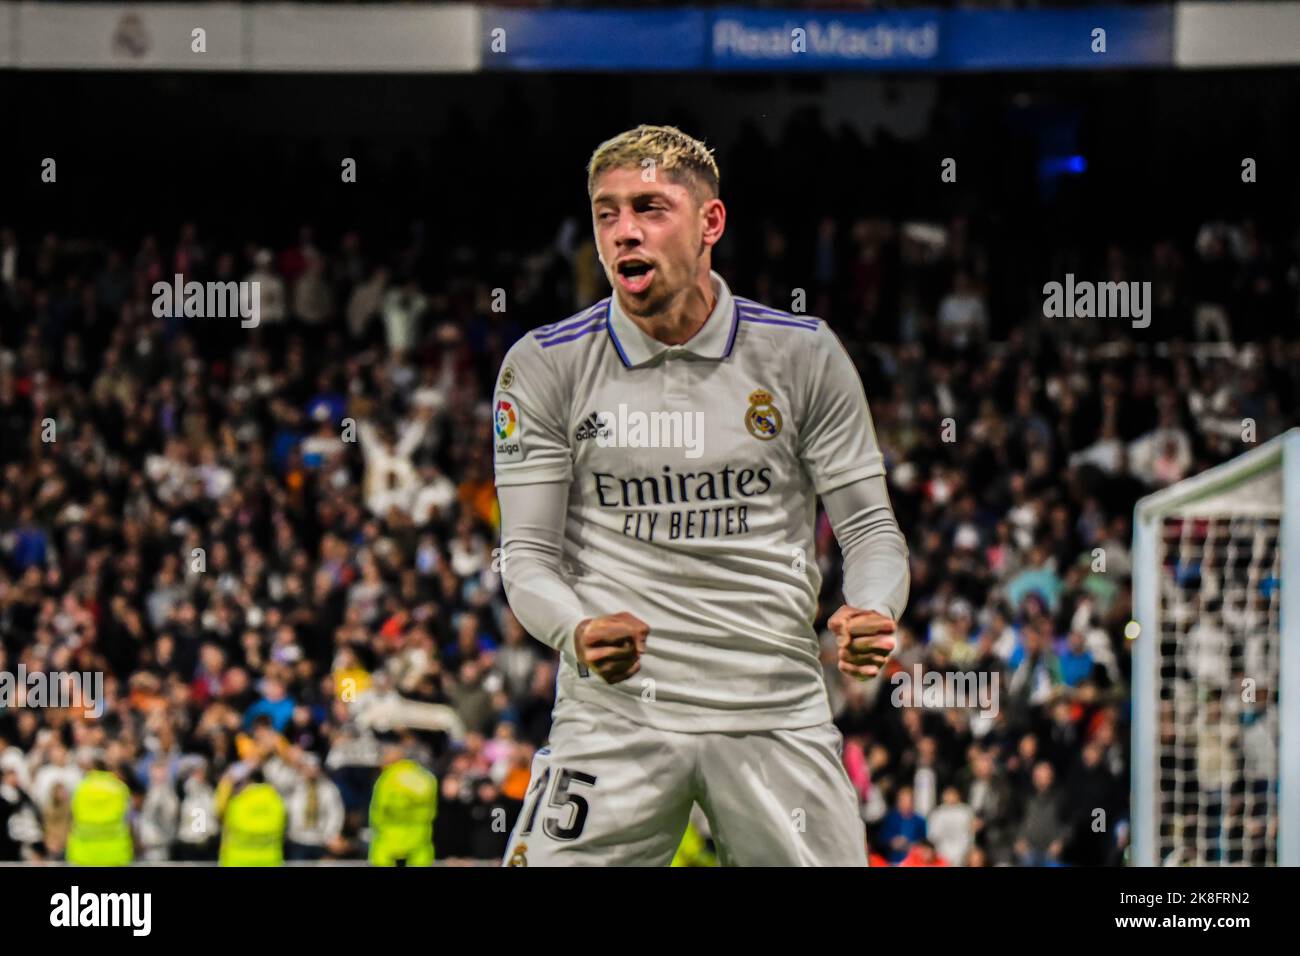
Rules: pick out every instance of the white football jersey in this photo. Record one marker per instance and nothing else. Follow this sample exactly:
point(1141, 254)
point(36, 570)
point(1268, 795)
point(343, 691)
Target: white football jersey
point(693, 472)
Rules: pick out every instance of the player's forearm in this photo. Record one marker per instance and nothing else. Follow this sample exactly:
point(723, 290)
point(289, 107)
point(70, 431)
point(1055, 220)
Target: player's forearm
point(532, 533)
point(539, 596)
point(876, 575)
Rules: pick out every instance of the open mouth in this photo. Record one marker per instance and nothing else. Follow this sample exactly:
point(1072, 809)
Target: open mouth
point(635, 275)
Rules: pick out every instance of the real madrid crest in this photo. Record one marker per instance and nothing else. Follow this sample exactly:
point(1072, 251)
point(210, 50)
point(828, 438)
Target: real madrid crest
point(762, 419)
point(520, 856)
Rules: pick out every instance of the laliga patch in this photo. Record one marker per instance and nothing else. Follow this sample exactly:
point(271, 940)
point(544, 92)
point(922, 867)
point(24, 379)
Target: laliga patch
point(508, 429)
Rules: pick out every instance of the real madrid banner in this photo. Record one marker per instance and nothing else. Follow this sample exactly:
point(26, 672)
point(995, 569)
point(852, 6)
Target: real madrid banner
point(816, 40)
point(129, 36)
point(462, 37)
point(227, 36)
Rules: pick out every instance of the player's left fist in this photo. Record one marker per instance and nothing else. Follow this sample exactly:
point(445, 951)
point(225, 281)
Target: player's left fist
point(865, 639)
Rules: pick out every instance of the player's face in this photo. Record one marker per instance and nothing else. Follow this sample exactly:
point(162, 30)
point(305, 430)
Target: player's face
point(651, 237)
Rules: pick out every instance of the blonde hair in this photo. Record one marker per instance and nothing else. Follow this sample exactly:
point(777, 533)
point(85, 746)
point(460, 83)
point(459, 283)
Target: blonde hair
point(685, 160)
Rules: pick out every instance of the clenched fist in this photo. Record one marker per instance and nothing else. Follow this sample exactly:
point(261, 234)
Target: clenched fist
point(612, 645)
point(865, 640)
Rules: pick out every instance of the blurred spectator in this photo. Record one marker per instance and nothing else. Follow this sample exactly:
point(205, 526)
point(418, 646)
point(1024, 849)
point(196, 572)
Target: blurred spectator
point(1041, 837)
point(901, 828)
point(963, 318)
point(156, 825)
point(315, 812)
point(951, 827)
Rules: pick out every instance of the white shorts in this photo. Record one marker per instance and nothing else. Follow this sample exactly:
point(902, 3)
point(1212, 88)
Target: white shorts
point(607, 791)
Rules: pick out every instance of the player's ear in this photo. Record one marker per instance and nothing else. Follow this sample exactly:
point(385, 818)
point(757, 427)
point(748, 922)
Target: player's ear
point(713, 214)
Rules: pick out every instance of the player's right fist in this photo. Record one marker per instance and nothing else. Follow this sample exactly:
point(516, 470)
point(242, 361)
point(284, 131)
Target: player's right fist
point(611, 645)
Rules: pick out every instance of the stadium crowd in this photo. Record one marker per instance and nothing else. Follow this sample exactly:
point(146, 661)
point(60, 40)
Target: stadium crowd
point(277, 543)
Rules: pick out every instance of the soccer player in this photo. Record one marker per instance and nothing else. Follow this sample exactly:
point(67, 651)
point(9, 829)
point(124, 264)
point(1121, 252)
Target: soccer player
point(658, 461)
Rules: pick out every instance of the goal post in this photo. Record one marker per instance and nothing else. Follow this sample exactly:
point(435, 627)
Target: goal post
point(1216, 665)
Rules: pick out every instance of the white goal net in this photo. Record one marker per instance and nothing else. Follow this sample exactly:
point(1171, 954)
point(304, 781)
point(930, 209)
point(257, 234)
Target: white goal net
point(1216, 741)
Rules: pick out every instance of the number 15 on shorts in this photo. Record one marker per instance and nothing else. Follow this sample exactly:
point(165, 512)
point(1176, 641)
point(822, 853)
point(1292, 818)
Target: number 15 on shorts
point(566, 807)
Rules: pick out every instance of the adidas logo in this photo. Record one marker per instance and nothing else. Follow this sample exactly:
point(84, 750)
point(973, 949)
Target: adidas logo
point(590, 428)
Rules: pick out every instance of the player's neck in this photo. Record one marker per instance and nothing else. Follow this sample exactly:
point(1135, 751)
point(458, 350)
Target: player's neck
point(685, 315)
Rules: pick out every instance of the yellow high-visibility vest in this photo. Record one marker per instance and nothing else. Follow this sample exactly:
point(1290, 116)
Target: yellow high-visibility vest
point(100, 834)
point(252, 832)
point(403, 807)
point(693, 850)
